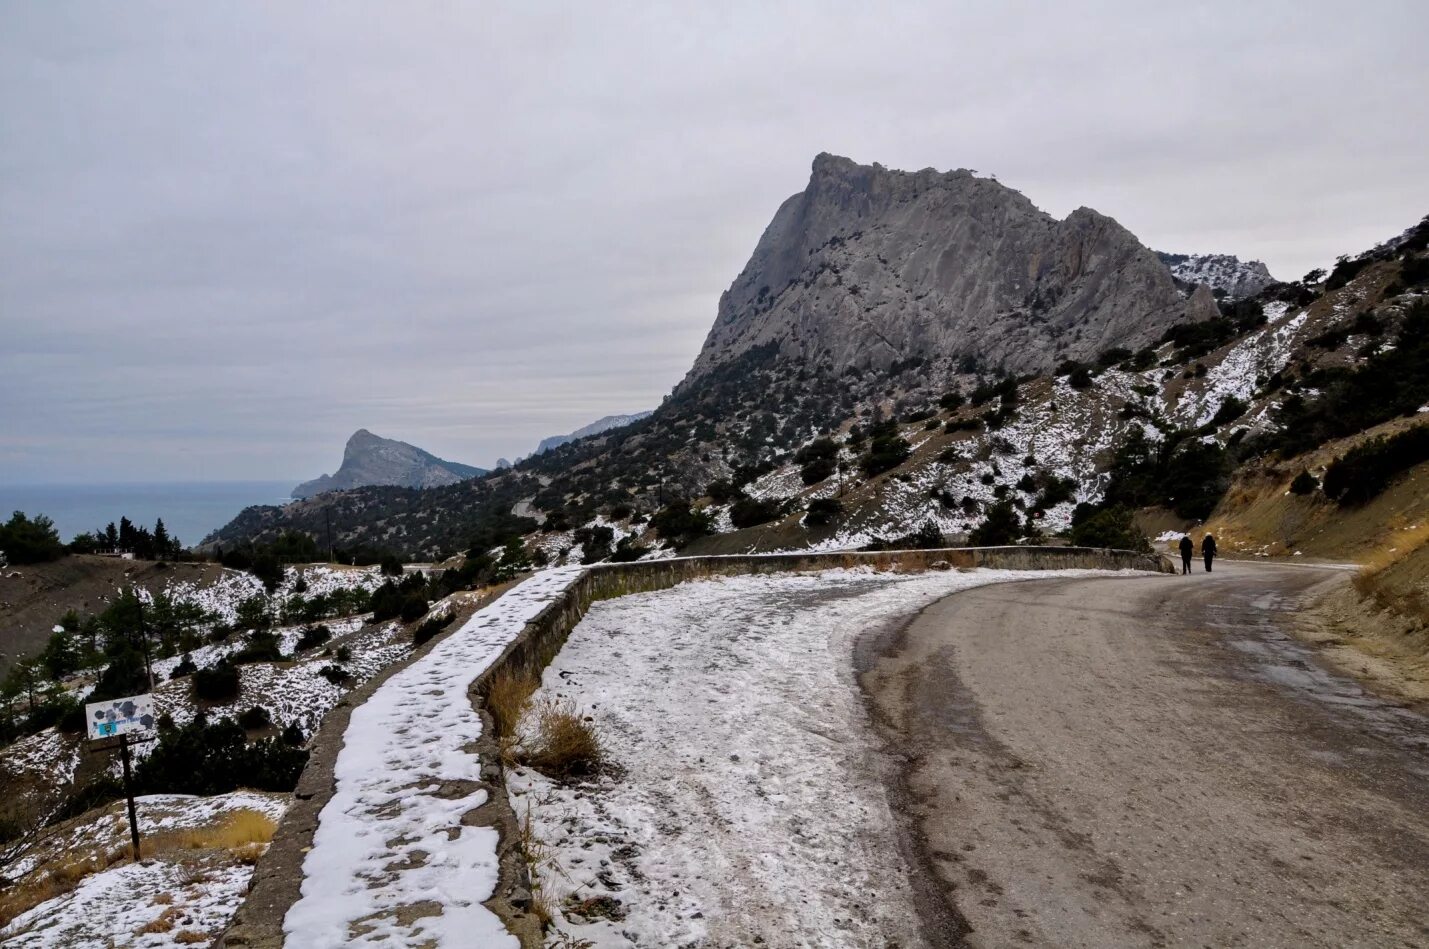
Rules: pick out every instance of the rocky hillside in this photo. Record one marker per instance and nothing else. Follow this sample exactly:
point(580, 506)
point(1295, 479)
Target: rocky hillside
point(369, 459)
point(869, 267)
point(594, 428)
point(1228, 276)
point(763, 447)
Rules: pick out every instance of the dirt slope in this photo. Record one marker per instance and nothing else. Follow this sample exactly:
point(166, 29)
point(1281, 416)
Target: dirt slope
point(33, 597)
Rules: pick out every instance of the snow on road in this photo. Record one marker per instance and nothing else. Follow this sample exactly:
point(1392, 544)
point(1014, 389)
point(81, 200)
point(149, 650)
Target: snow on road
point(749, 806)
point(391, 863)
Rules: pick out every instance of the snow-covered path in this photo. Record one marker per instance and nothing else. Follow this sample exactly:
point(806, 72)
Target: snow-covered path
point(392, 863)
point(752, 808)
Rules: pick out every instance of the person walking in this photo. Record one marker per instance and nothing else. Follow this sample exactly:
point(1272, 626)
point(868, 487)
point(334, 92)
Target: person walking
point(1208, 550)
point(1186, 548)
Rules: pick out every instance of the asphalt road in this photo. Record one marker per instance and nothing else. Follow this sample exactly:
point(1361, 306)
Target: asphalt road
point(1147, 761)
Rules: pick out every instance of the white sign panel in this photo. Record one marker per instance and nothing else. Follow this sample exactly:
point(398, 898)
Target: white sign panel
point(120, 716)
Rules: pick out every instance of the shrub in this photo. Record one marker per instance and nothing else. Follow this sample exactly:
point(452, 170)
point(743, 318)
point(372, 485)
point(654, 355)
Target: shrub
point(391, 566)
point(261, 647)
point(337, 675)
point(678, 523)
point(204, 758)
point(312, 637)
point(886, 451)
point(1304, 483)
point(1111, 527)
point(185, 667)
point(1368, 469)
point(1230, 410)
point(565, 744)
point(747, 512)
point(430, 627)
point(414, 607)
point(818, 469)
point(254, 718)
point(1002, 526)
point(823, 511)
point(629, 549)
point(218, 683)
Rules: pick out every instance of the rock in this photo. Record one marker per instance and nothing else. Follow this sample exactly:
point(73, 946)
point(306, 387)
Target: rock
point(940, 565)
point(520, 897)
point(868, 267)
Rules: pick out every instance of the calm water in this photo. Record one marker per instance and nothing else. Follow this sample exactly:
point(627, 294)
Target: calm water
point(190, 510)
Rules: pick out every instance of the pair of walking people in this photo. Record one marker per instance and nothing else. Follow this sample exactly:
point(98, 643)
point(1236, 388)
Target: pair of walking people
point(1208, 551)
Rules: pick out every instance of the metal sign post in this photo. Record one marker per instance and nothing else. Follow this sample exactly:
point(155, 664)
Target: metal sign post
point(121, 719)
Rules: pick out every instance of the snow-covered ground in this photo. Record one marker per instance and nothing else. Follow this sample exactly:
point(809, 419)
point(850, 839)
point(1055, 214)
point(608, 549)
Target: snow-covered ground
point(179, 897)
point(750, 805)
point(392, 835)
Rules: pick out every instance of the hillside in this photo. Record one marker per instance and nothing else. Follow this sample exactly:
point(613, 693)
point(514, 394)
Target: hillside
point(369, 459)
point(811, 438)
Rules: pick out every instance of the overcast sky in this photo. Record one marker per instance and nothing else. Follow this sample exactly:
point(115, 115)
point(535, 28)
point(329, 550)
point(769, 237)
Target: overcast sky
point(232, 233)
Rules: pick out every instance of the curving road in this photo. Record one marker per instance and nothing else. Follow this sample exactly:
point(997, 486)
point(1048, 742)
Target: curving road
point(1147, 761)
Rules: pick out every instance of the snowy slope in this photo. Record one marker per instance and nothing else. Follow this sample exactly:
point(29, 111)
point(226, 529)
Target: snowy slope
point(1238, 278)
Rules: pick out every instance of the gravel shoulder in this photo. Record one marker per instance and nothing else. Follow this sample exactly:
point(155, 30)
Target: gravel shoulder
point(1131, 761)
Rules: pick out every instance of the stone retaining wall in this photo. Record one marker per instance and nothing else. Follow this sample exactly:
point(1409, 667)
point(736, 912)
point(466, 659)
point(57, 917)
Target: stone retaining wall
point(278, 876)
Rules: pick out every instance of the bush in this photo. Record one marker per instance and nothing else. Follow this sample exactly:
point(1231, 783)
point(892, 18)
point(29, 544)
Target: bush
point(254, 718)
point(1230, 410)
point(1001, 527)
point(218, 683)
point(1112, 527)
point(414, 607)
point(747, 512)
point(185, 667)
point(823, 511)
point(887, 451)
point(1304, 483)
point(679, 523)
point(337, 675)
point(430, 627)
point(817, 469)
point(203, 758)
point(262, 646)
point(312, 637)
point(629, 549)
point(391, 566)
point(565, 743)
point(1366, 470)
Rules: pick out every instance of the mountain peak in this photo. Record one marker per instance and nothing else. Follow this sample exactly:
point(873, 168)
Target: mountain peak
point(369, 459)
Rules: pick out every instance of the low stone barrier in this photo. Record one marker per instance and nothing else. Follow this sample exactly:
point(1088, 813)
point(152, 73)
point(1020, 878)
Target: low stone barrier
point(278, 877)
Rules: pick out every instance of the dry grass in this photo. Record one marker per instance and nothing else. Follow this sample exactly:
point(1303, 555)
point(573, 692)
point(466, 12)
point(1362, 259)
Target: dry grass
point(1396, 546)
point(565, 742)
point(238, 833)
point(244, 833)
point(59, 880)
point(191, 937)
point(162, 923)
point(508, 698)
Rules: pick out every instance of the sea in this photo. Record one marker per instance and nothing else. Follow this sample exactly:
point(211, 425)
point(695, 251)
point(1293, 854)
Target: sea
point(191, 510)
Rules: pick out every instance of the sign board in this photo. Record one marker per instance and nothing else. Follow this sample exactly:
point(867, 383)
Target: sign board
point(120, 716)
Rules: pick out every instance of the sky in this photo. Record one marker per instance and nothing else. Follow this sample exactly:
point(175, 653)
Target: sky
point(233, 233)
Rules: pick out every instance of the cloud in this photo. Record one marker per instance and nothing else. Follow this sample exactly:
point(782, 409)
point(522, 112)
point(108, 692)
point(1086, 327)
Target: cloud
point(231, 234)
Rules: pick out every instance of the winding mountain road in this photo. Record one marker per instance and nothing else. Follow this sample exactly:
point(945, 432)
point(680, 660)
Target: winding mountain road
point(1149, 761)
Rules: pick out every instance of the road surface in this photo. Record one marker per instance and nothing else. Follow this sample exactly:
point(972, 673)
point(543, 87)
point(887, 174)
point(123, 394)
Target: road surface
point(1148, 761)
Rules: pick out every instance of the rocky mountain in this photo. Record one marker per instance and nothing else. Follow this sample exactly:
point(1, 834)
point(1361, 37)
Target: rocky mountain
point(594, 428)
point(786, 434)
point(869, 267)
point(369, 459)
point(1227, 276)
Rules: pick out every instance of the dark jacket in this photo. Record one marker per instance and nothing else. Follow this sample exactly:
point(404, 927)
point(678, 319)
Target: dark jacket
point(1186, 546)
point(1208, 546)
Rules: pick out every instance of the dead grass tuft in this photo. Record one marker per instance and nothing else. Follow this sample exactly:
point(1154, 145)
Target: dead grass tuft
point(565, 742)
point(58, 880)
point(238, 832)
point(162, 923)
point(1396, 546)
point(190, 937)
point(507, 699)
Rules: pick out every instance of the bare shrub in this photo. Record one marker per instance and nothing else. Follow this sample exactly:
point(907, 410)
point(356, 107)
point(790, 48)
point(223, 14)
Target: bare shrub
point(565, 742)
